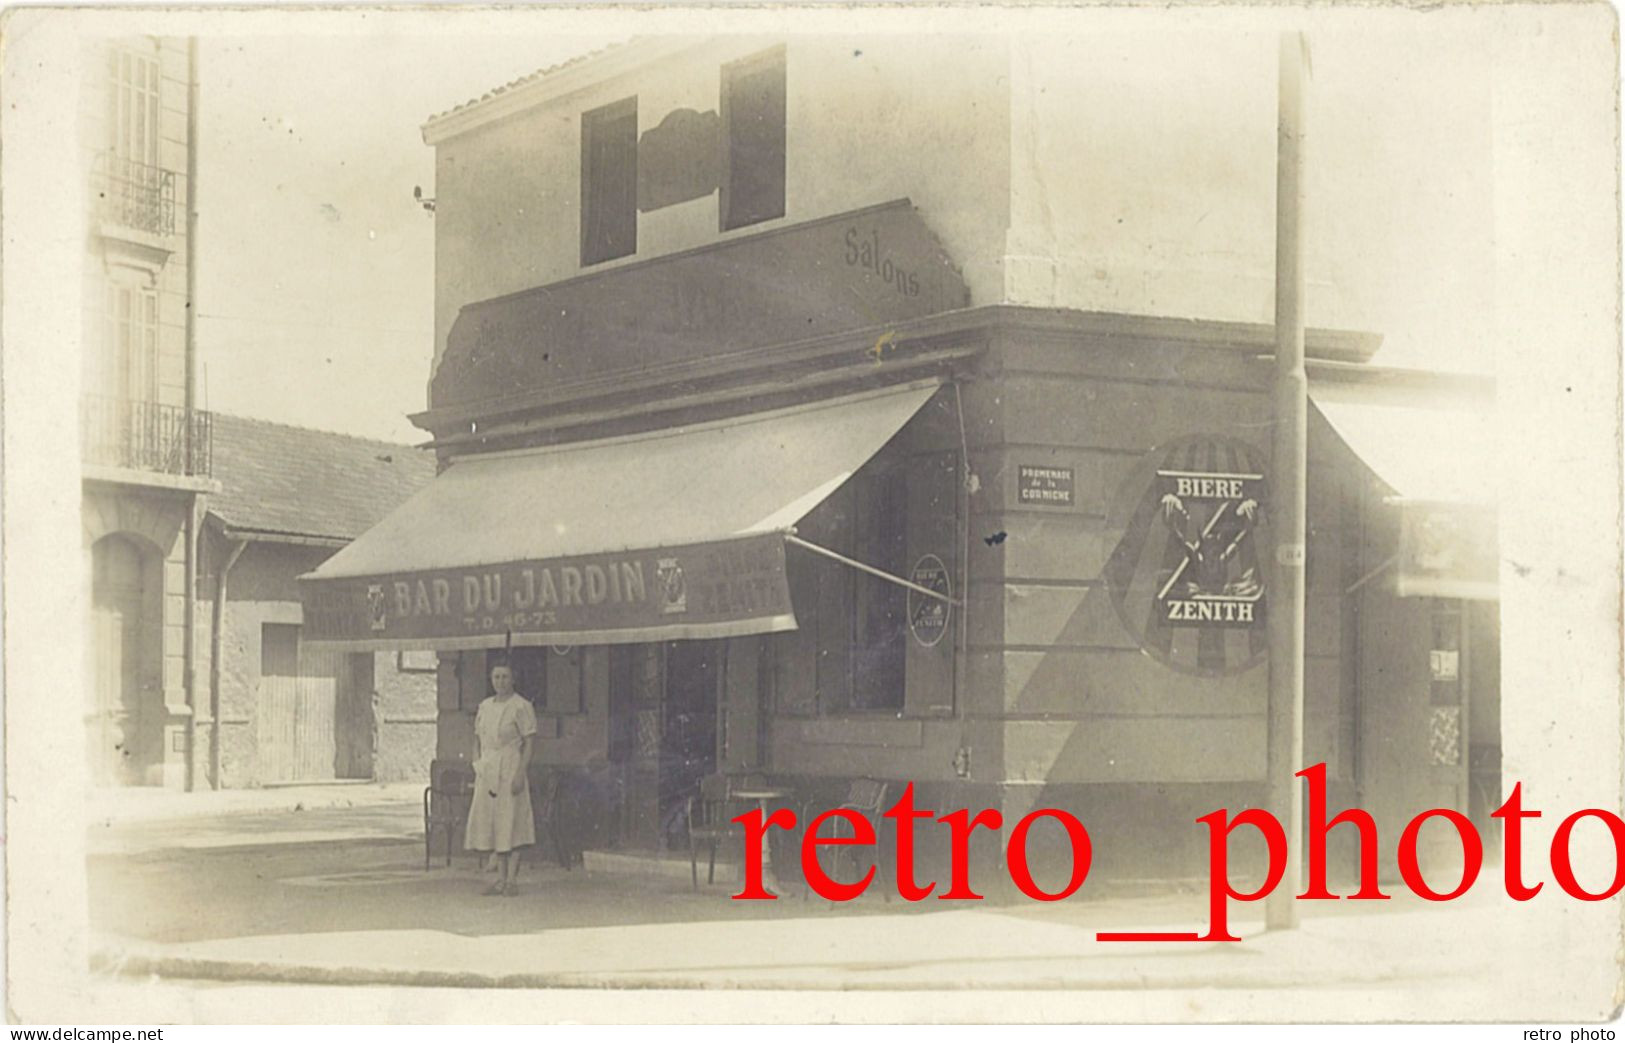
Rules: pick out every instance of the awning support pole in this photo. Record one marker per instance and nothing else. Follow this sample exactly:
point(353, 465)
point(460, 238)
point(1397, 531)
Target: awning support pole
point(1373, 574)
point(791, 537)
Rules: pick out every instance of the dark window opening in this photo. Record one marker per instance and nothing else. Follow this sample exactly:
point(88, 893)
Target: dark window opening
point(861, 621)
point(279, 650)
point(551, 678)
point(753, 107)
point(609, 182)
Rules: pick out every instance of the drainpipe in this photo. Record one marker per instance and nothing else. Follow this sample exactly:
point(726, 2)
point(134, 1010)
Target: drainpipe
point(191, 248)
point(216, 642)
point(194, 532)
point(189, 629)
point(967, 485)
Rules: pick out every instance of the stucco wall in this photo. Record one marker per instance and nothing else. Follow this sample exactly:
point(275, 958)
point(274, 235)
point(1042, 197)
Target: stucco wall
point(1116, 171)
point(406, 720)
point(262, 588)
point(1048, 650)
point(1143, 172)
point(868, 119)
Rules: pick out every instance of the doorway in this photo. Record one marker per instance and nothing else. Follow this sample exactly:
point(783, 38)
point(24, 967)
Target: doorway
point(663, 735)
point(126, 726)
point(688, 728)
point(314, 711)
point(1413, 687)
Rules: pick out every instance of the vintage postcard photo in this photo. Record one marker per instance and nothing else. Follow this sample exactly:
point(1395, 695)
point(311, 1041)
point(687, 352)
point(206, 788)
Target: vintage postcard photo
point(891, 513)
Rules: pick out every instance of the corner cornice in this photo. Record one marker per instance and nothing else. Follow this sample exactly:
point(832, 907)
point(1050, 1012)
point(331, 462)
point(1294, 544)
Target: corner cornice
point(954, 331)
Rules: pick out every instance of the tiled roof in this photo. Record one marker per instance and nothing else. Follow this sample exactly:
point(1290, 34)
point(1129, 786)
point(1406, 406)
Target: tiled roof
point(297, 481)
point(532, 78)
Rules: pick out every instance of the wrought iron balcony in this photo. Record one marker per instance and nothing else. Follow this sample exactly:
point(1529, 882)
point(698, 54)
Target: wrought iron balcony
point(146, 436)
point(136, 195)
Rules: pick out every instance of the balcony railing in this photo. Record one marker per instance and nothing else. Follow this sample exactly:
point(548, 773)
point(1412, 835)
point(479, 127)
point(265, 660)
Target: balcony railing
point(146, 436)
point(136, 195)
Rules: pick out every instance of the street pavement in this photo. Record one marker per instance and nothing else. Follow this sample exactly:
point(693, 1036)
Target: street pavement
point(336, 893)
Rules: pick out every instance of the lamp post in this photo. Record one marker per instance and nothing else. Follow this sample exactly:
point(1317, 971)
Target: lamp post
point(1289, 456)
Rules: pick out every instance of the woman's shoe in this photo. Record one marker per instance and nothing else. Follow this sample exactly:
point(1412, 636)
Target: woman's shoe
point(495, 889)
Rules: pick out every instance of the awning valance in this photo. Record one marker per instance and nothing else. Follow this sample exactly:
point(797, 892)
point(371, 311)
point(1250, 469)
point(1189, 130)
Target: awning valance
point(659, 536)
point(1438, 458)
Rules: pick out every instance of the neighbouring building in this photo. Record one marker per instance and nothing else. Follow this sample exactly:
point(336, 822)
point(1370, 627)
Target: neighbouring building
point(144, 445)
point(808, 415)
point(280, 711)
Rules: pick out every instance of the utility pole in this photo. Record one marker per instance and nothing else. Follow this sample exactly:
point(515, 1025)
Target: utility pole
point(1289, 456)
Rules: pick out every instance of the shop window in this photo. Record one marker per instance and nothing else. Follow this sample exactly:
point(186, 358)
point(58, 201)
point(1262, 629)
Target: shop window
point(860, 621)
point(753, 111)
point(609, 182)
point(1445, 653)
point(551, 678)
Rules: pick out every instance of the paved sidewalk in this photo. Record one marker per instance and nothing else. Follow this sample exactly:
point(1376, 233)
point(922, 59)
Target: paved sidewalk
point(817, 948)
point(132, 804)
point(340, 895)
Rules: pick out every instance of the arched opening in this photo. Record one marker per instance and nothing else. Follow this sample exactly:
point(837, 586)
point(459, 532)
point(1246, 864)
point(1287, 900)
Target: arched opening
point(126, 727)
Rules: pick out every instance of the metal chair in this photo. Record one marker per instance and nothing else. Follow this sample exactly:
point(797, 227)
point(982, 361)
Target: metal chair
point(867, 797)
point(445, 805)
point(550, 817)
point(710, 822)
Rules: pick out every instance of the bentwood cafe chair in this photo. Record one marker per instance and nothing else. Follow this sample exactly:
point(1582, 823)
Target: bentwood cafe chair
point(710, 822)
point(445, 804)
point(867, 797)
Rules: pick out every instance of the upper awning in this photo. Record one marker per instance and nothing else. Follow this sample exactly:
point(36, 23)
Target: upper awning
point(1440, 454)
point(651, 537)
point(1438, 458)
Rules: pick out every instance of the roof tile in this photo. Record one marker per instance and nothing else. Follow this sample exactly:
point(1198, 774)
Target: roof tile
point(532, 78)
point(299, 481)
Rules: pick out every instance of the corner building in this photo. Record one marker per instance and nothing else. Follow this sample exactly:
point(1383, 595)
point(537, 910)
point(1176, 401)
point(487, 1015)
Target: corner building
point(806, 414)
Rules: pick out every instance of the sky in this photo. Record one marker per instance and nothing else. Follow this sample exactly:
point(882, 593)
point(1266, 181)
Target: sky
point(315, 263)
point(316, 274)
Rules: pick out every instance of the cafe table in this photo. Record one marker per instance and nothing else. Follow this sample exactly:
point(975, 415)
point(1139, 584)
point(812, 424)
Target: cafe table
point(763, 796)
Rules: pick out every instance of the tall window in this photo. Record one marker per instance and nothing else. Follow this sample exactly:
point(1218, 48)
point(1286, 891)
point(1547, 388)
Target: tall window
point(753, 122)
point(129, 365)
point(880, 619)
point(135, 107)
point(861, 621)
point(609, 182)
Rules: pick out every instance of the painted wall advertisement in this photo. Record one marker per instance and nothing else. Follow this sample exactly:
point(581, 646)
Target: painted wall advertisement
point(928, 616)
point(1187, 577)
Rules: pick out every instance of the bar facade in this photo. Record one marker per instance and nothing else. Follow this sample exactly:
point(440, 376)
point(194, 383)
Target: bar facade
point(1078, 503)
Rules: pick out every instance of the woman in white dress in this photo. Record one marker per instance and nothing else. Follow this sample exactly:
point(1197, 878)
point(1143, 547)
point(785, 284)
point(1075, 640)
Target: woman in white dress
point(500, 818)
